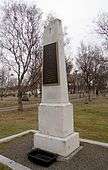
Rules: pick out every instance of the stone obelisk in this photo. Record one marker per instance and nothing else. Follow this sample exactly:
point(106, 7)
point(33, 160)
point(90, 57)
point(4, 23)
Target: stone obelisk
point(56, 125)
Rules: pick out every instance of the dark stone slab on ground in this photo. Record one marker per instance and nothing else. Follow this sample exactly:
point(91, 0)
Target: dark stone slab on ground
point(90, 157)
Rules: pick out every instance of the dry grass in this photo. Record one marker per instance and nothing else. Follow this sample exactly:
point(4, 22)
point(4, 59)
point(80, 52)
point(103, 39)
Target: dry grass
point(12, 101)
point(15, 122)
point(91, 120)
point(4, 167)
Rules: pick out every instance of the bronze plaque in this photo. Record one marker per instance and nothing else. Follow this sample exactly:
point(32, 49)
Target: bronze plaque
point(50, 64)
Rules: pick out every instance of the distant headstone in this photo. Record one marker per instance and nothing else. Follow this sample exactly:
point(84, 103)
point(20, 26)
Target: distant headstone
point(56, 125)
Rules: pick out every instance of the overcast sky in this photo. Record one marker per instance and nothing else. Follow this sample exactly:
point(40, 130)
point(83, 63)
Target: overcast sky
point(76, 15)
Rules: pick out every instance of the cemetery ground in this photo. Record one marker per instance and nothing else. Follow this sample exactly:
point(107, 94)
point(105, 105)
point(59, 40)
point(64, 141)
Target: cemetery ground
point(90, 157)
point(91, 119)
point(12, 101)
point(3, 167)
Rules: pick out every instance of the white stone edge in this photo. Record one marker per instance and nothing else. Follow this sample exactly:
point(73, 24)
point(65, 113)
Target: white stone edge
point(55, 104)
point(16, 166)
point(9, 138)
point(12, 164)
point(94, 142)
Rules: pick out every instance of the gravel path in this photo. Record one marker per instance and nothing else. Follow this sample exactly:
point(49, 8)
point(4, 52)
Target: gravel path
point(90, 157)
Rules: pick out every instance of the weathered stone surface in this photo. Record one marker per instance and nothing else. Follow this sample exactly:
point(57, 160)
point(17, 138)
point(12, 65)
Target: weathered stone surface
point(56, 124)
point(56, 120)
point(62, 146)
point(58, 93)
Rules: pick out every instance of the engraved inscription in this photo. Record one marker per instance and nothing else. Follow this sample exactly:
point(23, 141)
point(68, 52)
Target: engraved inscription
point(50, 69)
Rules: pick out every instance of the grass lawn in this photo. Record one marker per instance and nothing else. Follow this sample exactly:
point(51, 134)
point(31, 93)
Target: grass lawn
point(91, 120)
point(4, 167)
point(12, 101)
point(15, 122)
point(8, 102)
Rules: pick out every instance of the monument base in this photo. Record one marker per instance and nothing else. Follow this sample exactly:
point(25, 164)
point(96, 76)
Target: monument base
point(61, 146)
point(56, 119)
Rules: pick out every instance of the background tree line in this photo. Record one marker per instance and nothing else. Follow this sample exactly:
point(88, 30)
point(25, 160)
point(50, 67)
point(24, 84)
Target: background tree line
point(21, 32)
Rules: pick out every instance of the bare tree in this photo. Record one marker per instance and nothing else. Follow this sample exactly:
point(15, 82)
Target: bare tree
point(3, 81)
point(102, 27)
point(20, 34)
point(69, 67)
point(35, 73)
point(91, 65)
point(102, 30)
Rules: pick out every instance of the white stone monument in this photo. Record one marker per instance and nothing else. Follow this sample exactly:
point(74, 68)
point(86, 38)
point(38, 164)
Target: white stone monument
point(56, 125)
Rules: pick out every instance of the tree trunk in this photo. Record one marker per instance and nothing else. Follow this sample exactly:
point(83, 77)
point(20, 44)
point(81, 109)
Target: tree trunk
point(36, 93)
point(1, 97)
point(20, 105)
point(89, 94)
point(97, 92)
